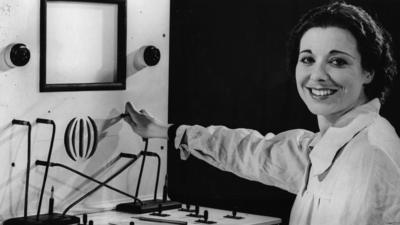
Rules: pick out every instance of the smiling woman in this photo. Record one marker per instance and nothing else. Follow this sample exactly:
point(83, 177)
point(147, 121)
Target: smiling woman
point(348, 172)
point(330, 78)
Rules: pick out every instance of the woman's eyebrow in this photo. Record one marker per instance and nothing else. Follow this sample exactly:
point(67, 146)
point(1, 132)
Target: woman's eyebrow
point(306, 51)
point(341, 52)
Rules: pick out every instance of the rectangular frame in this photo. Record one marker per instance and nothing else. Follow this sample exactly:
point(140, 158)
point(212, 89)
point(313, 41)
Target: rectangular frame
point(117, 59)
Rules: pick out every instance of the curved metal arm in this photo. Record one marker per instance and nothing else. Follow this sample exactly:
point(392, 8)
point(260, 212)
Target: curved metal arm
point(153, 154)
point(28, 161)
point(143, 153)
point(51, 122)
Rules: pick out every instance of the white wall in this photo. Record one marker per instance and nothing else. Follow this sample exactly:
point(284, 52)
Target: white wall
point(147, 24)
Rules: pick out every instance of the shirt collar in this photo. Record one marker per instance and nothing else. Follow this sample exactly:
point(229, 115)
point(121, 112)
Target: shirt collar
point(325, 146)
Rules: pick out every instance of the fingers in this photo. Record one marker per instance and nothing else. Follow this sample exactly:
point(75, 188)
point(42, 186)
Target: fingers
point(143, 111)
point(129, 120)
point(134, 113)
point(136, 117)
point(131, 111)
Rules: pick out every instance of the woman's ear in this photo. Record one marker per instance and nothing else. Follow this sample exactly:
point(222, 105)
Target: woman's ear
point(369, 76)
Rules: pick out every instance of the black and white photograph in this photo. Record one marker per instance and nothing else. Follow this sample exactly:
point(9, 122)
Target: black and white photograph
point(191, 112)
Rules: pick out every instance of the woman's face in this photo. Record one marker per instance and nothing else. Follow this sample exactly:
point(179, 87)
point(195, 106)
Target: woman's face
point(329, 75)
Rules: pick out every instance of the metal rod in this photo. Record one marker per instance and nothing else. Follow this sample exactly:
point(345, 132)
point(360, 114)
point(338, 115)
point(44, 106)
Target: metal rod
point(165, 189)
point(153, 154)
point(42, 163)
point(28, 162)
point(101, 185)
point(146, 141)
point(39, 120)
point(160, 220)
point(51, 201)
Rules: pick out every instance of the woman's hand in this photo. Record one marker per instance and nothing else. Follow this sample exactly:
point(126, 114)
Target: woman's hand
point(144, 124)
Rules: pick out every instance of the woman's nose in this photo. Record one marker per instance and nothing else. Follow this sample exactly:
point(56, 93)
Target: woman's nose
point(319, 73)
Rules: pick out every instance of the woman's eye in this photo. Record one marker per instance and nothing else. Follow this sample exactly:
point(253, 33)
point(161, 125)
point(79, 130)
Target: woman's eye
point(339, 62)
point(306, 60)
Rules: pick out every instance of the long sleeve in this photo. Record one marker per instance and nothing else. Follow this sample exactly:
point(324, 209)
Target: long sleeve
point(279, 161)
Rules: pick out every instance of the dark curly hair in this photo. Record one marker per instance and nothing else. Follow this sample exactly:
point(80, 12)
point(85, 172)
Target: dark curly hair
point(374, 43)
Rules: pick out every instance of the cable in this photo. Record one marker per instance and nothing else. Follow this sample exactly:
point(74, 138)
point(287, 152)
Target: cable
point(101, 185)
point(52, 164)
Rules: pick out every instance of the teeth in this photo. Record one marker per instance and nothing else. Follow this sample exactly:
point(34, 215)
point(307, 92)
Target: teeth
point(322, 92)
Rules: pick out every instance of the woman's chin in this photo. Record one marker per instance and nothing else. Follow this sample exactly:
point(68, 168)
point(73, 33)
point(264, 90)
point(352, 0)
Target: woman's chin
point(319, 110)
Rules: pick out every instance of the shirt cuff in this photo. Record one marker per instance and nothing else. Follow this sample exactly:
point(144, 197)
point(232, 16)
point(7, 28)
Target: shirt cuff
point(172, 132)
point(177, 144)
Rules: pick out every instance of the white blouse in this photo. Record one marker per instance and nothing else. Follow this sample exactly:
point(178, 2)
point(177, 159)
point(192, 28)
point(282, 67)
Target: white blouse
point(348, 175)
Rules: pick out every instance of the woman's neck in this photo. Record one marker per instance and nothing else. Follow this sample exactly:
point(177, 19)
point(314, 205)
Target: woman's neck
point(324, 123)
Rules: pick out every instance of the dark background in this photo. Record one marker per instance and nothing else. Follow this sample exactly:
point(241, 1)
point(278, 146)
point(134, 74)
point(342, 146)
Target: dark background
point(227, 67)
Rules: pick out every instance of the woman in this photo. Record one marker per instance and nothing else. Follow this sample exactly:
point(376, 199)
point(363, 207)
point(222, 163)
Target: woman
point(348, 172)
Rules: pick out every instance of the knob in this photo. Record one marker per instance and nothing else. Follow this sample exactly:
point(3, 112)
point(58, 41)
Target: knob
point(205, 215)
point(146, 56)
point(84, 218)
point(151, 55)
point(233, 215)
point(159, 209)
point(17, 55)
point(165, 193)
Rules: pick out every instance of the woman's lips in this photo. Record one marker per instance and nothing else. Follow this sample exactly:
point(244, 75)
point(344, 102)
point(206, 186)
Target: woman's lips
point(321, 92)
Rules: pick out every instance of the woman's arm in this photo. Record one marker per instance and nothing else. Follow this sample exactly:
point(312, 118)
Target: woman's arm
point(279, 161)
